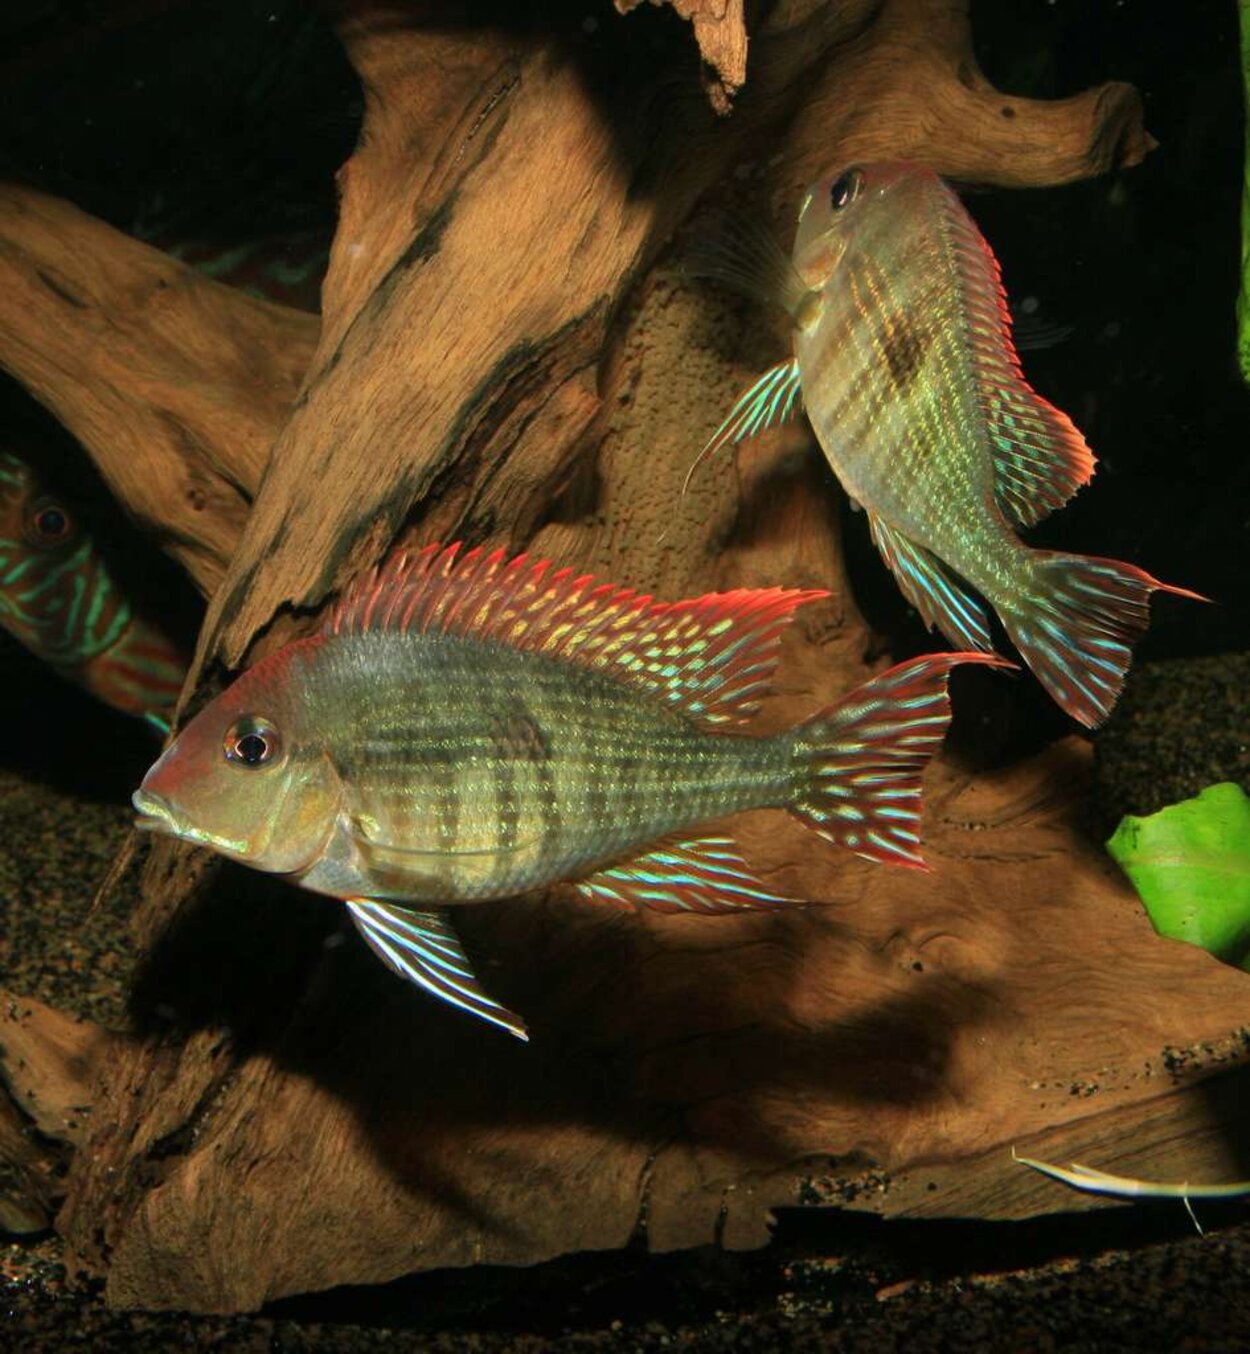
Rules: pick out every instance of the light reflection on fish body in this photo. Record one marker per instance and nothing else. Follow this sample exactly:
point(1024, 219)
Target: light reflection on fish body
point(904, 363)
point(469, 727)
point(59, 599)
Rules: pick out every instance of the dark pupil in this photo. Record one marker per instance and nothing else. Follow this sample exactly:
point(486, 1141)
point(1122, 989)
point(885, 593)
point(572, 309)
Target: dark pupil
point(252, 748)
point(843, 190)
point(51, 522)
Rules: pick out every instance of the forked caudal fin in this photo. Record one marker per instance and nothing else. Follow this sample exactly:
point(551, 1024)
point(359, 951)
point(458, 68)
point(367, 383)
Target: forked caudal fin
point(1075, 625)
point(858, 764)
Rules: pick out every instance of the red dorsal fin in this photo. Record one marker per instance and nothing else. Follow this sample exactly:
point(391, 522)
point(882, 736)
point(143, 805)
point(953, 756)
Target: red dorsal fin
point(1040, 459)
point(711, 657)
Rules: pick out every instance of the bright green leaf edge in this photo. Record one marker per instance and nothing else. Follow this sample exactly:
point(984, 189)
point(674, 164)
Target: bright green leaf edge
point(1190, 864)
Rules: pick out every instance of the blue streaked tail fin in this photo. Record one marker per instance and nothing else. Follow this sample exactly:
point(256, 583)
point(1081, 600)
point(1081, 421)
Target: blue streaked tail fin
point(1075, 624)
point(858, 764)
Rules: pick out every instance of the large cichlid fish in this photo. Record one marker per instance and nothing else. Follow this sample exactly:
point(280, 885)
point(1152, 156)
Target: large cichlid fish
point(59, 599)
point(464, 728)
point(904, 362)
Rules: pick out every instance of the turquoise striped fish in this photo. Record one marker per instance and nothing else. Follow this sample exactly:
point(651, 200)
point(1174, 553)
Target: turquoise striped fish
point(58, 598)
point(467, 727)
point(904, 361)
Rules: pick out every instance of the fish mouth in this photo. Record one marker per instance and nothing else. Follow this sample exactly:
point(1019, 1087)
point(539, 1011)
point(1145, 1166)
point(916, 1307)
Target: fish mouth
point(158, 815)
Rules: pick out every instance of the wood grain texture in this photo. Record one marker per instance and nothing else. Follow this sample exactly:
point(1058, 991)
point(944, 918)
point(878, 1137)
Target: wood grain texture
point(48, 1067)
point(510, 352)
point(173, 383)
point(721, 34)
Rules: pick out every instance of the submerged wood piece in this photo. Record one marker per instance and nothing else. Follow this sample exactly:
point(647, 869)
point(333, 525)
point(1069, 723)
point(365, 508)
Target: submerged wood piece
point(173, 383)
point(48, 1066)
point(721, 33)
point(307, 1120)
point(920, 74)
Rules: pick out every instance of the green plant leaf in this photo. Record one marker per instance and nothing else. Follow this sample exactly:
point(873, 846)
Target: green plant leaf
point(1190, 863)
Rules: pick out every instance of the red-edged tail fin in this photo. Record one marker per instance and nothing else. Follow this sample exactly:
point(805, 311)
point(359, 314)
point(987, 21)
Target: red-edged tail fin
point(858, 764)
point(1076, 624)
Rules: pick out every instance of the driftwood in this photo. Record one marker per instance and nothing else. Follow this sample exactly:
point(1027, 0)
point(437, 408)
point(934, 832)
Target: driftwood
point(49, 1064)
point(507, 355)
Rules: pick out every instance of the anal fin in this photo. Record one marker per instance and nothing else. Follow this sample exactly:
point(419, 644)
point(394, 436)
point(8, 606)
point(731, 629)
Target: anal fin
point(704, 874)
point(930, 589)
point(420, 945)
point(771, 399)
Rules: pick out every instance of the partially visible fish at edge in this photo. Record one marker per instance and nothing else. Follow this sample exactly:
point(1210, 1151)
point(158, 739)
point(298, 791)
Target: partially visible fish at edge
point(59, 599)
point(904, 362)
point(466, 727)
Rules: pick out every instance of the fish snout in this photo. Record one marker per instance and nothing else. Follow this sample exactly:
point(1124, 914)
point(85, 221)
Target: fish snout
point(155, 814)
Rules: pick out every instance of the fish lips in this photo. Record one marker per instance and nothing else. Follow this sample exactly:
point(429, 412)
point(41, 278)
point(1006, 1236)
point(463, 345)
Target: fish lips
point(157, 814)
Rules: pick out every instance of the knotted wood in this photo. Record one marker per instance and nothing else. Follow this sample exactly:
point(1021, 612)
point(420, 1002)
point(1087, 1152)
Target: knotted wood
point(510, 352)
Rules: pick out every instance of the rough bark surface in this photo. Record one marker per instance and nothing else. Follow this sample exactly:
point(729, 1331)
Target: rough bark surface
point(506, 355)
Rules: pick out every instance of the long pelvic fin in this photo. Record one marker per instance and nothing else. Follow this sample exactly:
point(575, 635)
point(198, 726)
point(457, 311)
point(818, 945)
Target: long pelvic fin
point(704, 874)
point(928, 586)
point(710, 657)
point(772, 399)
point(858, 764)
point(1040, 458)
point(421, 946)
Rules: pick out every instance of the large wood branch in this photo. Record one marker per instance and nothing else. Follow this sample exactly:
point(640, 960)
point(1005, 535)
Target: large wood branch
point(174, 383)
point(503, 357)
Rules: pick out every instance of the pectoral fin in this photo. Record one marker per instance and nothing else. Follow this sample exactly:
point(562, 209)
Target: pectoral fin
point(772, 399)
point(701, 875)
point(420, 945)
point(930, 589)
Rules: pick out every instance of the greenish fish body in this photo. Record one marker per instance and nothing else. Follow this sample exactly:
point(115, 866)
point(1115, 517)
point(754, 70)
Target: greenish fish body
point(904, 361)
point(472, 728)
point(59, 598)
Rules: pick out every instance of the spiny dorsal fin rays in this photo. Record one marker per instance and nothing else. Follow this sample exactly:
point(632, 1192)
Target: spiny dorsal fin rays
point(770, 400)
point(1040, 457)
point(709, 657)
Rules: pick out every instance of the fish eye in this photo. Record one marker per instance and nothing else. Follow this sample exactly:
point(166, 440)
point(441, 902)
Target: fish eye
point(48, 524)
point(845, 189)
point(251, 741)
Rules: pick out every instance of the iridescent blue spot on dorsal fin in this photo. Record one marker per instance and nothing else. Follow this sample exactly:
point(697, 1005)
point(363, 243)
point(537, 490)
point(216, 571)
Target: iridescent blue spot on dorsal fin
point(928, 586)
point(709, 657)
point(704, 874)
point(1040, 459)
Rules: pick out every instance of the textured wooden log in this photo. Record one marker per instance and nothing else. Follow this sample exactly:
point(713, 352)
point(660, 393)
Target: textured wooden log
point(502, 358)
point(721, 34)
point(173, 383)
point(48, 1068)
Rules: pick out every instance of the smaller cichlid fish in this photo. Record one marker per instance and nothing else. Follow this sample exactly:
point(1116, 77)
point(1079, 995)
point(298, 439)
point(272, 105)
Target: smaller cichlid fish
point(58, 598)
point(465, 727)
point(904, 361)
